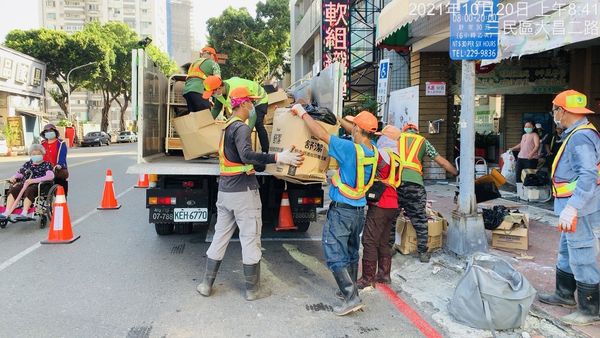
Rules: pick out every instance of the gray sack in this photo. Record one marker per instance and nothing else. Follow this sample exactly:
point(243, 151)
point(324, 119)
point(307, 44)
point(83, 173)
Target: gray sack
point(491, 295)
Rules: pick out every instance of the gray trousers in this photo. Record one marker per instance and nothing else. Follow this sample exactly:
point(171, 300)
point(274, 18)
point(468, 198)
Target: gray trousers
point(244, 210)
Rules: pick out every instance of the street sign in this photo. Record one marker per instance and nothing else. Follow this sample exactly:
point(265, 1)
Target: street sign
point(382, 80)
point(473, 29)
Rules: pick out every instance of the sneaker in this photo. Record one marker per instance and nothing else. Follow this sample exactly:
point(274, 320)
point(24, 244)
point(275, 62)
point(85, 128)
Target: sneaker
point(424, 257)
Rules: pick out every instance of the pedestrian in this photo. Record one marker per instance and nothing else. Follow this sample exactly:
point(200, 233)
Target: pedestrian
point(200, 69)
point(544, 149)
point(382, 213)
point(219, 90)
point(238, 199)
point(56, 154)
point(33, 172)
point(576, 189)
point(528, 150)
point(346, 216)
point(412, 197)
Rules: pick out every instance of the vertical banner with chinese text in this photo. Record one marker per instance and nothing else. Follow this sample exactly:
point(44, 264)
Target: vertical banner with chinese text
point(335, 34)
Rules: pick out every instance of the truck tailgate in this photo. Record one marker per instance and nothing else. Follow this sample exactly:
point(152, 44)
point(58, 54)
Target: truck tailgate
point(176, 165)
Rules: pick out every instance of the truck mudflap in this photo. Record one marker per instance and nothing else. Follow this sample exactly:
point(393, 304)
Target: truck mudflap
point(178, 206)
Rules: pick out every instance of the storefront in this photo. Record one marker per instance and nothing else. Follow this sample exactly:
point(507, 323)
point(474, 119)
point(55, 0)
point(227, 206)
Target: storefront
point(22, 108)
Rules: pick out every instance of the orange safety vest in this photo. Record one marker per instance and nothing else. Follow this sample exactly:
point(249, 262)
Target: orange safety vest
point(361, 188)
point(409, 152)
point(566, 189)
point(195, 70)
point(394, 178)
point(227, 167)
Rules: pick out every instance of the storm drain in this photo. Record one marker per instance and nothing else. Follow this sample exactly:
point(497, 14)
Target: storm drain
point(139, 332)
point(319, 307)
point(178, 249)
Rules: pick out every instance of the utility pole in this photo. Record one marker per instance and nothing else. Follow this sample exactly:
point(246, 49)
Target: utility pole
point(261, 53)
point(69, 86)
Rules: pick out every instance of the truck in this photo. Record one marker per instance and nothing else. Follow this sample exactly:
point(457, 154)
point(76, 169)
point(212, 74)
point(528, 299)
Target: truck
point(185, 192)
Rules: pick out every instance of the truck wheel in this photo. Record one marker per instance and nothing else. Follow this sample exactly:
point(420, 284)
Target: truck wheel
point(302, 225)
point(164, 229)
point(184, 228)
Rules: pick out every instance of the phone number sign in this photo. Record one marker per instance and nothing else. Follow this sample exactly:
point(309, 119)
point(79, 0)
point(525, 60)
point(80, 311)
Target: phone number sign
point(474, 29)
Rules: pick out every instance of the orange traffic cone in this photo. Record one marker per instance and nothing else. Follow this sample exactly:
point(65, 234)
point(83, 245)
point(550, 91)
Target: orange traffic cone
point(286, 221)
point(142, 181)
point(109, 201)
point(60, 226)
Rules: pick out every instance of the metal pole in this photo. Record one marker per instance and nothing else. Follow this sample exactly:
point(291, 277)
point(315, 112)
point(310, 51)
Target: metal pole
point(69, 86)
point(261, 53)
point(466, 200)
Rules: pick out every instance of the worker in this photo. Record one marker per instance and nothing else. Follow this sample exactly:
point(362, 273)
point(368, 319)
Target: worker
point(412, 196)
point(219, 90)
point(382, 212)
point(200, 69)
point(238, 199)
point(346, 218)
point(576, 189)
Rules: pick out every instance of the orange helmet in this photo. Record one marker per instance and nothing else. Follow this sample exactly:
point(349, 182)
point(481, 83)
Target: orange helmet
point(240, 95)
point(365, 121)
point(209, 50)
point(572, 101)
point(210, 84)
point(410, 126)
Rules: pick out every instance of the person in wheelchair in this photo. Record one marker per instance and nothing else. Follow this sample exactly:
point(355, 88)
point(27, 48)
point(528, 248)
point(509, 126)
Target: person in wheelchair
point(56, 155)
point(25, 183)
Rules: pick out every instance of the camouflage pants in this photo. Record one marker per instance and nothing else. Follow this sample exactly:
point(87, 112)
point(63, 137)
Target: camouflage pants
point(412, 198)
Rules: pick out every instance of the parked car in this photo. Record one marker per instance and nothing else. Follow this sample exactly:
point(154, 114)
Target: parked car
point(96, 138)
point(127, 136)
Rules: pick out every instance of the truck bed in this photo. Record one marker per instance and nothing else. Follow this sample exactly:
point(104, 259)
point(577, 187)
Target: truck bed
point(163, 164)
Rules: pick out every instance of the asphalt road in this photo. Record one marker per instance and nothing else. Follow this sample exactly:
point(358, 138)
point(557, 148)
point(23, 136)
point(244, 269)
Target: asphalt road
point(122, 280)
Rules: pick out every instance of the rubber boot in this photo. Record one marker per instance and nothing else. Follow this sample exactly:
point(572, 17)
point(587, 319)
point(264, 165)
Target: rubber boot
point(424, 257)
point(384, 269)
point(253, 289)
point(369, 268)
point(348, 288)
point(353, 271)
point(588, 296)
point(212, 266)
point(564, 295)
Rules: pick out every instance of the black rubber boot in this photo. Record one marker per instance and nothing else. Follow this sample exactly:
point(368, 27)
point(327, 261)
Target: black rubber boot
point(588, 297)
point(253, 289)
point(348, 288)
point(212, 266)
point(353, 271)
point(564, 295)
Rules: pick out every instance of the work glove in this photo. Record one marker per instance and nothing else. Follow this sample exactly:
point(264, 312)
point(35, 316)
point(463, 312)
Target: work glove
point(297, 109)
point(289, 157)
point(567, 221)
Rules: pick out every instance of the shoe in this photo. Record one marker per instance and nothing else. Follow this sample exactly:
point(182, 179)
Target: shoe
point(348, 288)
point(212, 267)
point(3, 217)
point(588, 296)
point(369, 268)
point(564, 295)
point(253, 289)
point(383, 270)
point(424, 257)
point(23, 218)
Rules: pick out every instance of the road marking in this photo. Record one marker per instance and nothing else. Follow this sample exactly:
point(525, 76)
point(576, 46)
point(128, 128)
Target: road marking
point(82, 163)
point(409, 312)
point(37, 245)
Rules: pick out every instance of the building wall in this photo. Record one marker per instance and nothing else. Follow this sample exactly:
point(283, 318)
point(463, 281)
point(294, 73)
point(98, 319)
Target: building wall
point(179, 31)
point(305, 29)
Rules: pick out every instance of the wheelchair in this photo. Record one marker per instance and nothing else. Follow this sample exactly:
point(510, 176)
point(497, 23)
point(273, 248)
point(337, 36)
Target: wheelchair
point(42, 204)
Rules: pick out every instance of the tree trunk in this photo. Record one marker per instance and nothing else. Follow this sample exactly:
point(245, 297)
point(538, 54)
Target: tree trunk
point(106, 101)
point(123, 107)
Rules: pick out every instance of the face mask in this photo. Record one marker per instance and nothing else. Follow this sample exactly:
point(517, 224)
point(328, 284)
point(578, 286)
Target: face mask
point(37, 158)
point(252, 112)
point(50, 135)
point(557, 122)
point(528, 130)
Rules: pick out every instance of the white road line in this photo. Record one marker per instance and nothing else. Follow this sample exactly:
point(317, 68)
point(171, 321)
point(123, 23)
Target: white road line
point(82, 163)
point(37, 245)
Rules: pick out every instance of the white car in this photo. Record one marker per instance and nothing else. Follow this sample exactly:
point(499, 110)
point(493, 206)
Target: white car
point(127, 136)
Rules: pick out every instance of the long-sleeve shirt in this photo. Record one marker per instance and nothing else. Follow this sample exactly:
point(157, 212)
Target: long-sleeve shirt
point(579, 162)
point(56, 153)
point(37, 172)
point(238, 149)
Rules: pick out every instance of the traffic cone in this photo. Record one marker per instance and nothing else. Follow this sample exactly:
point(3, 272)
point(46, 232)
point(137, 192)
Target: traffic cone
point(60, 226)
point(142, 181)
point(109, 201)
point(286, 222)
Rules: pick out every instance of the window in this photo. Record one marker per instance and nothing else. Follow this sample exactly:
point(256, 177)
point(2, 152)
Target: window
point(145, 24)
point(50, 3)
point(51, 16)
point(93, 7)
point(144, 11)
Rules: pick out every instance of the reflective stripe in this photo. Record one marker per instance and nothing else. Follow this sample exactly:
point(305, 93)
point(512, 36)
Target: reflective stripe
point(394, 177)
point(411, 160)
point(566, 189)
point(285, 202)
point(109, 179)
point(228, 168)
point(60, 199)
point(195, 70)
point(361, 162)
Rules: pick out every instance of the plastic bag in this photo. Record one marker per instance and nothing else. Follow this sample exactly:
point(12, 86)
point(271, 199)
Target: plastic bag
point(508, 169)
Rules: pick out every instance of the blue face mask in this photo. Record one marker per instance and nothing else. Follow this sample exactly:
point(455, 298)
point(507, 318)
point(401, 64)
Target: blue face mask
point(50, 135)
point(252, 113)
point(528, 130)
point(37, 158)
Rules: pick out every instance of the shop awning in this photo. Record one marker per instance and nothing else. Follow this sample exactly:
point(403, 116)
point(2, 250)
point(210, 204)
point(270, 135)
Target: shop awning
point(392, 27)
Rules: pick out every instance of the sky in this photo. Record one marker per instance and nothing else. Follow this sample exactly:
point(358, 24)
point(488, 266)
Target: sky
point(22, 14)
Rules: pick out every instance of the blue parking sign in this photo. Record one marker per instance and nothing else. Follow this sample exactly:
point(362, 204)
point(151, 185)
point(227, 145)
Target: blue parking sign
point(473, 29)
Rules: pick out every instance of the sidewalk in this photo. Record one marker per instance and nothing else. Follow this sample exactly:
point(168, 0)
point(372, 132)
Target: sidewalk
point(432, 285)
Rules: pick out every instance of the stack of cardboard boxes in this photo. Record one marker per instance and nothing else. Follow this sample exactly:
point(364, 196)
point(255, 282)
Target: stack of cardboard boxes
point(406, 236)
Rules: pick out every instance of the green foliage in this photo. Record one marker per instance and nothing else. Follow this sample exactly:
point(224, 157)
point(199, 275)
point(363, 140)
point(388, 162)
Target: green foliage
point(167, 65)
point(64, 123)
point(10, 135)
point(365, 102)
point(269, 32)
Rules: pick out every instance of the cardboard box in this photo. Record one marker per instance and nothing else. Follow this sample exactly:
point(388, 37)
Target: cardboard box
point(533, 194)
point(199, 134)
point(277, 96)
point(513, 232)
point(289, 130)
point(273, 107)
point(406, 236)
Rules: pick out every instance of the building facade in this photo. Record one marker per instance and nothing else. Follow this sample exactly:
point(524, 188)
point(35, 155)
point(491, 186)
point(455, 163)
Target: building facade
point(179, 30)
point(22, 106)
point(147, 17)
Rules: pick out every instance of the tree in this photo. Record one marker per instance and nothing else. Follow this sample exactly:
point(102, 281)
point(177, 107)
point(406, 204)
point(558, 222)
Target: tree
point(61, 52)
point(268, 32)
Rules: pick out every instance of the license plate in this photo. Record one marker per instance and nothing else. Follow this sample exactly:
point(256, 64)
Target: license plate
point(190, 215)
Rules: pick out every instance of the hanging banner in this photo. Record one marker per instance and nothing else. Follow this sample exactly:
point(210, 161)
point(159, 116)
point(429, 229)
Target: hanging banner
point(335, 33)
